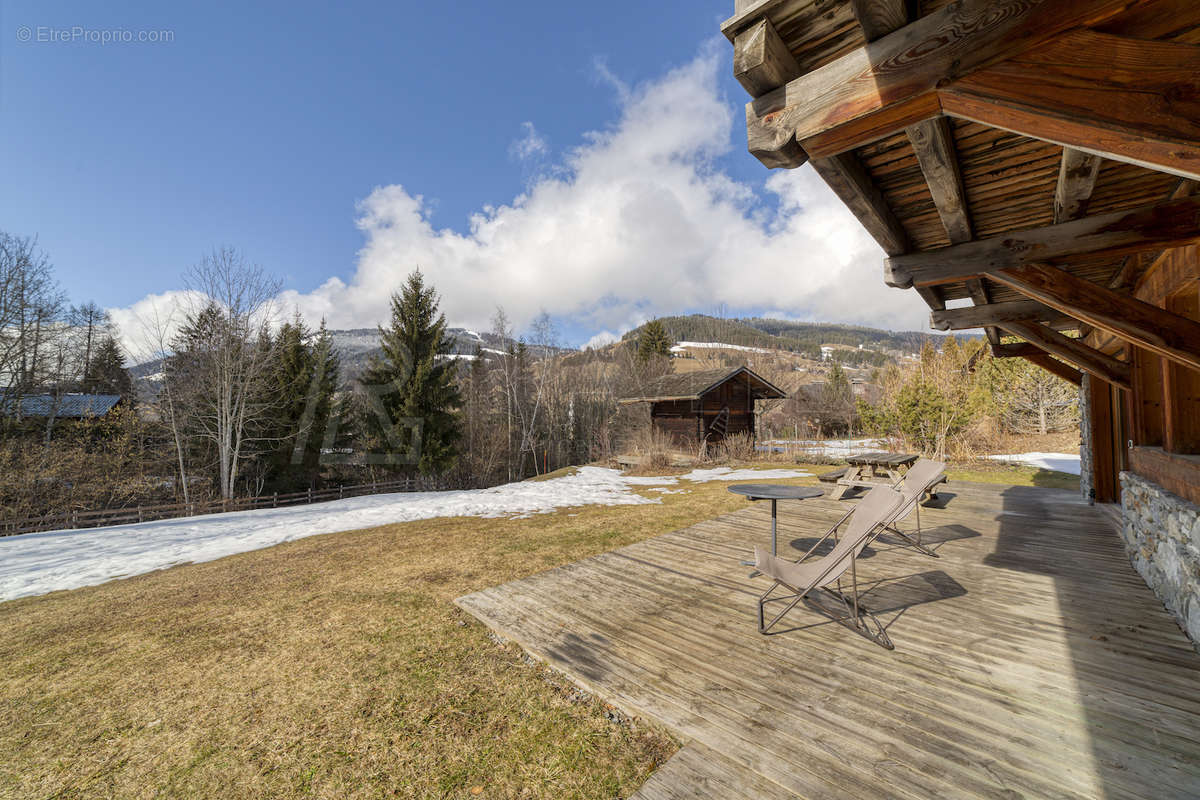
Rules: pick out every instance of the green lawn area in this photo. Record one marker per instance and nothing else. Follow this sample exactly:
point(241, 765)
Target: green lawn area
point(335, 667)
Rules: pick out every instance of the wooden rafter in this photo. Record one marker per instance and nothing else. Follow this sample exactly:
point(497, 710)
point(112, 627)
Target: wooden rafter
point(1168, 224)
point(1077, 174)
point(850, 182)
point(934, 147)
point(878, 18)
point(761, 61)
point(1074, 351)
point(979, 296)
point(893, 82)
point(992, 314)
point(1169, 335)
point(1124, 99)
point(1041, 358)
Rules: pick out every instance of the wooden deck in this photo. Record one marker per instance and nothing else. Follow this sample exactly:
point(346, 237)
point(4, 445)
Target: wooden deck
point(1030, 660)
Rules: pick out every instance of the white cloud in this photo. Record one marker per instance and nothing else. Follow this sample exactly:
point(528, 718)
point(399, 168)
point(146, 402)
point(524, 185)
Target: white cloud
point(635, 221)
point(601, 339)
point(531, 145)
point(152, 322)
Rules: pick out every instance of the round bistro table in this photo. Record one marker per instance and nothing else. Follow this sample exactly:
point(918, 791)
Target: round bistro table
point(774, 492)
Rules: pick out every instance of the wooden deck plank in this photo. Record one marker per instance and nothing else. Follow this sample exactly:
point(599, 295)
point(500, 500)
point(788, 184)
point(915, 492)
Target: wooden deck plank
point(1031, 659)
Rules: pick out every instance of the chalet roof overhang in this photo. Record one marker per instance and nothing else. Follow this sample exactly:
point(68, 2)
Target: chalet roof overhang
point(694, 385)
point(1033, 158)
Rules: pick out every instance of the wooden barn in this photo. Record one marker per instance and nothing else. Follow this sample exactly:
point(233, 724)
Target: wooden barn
point(1030, 168)
point(695, 407)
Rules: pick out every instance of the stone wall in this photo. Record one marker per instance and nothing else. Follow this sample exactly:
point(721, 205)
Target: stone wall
point(1086, 483)
point(1162, 536)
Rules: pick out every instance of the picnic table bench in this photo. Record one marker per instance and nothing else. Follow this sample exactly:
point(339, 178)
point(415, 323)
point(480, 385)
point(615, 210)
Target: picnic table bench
point(871, 469)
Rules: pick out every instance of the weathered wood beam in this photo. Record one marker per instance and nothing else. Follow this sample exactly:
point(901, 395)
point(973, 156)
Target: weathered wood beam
point(761, 61)
point(1169, 335)
point(1076, 179)
point(1056, 367)
point(1168, 224)
point(958, 319)
point(1074, 351)
point(934, 146)
point(979, 296)
point(892, 83)
point(878, 18)
point(932, 296)
point(1041, 358)
point(849, 180)
point(1124, 99)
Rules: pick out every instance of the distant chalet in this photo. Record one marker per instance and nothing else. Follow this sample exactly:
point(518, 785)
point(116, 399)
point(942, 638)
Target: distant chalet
point(695, 408)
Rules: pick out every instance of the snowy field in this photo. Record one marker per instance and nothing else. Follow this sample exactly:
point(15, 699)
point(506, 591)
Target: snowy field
point(681, 346)
point(36, 563)
point(1061, 462)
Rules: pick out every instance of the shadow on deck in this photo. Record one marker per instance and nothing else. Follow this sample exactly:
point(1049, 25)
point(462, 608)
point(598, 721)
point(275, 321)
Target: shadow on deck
point(1030, 661)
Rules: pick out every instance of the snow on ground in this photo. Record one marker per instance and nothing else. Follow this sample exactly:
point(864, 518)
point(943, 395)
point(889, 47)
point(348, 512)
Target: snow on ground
point(36, 563)
point(1062, 462)
point(828, 447)
point(681, 346)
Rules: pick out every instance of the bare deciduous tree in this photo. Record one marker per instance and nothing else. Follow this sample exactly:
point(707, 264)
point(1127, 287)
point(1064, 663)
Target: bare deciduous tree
point(223, 356)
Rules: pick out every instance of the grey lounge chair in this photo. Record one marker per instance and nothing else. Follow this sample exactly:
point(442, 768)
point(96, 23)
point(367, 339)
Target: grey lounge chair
point(877, 509)
point(920, 478)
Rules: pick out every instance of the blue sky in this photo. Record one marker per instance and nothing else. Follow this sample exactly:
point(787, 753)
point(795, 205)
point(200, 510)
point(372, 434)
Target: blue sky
point(304, 134)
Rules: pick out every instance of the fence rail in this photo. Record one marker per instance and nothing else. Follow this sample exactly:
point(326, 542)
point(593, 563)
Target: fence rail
point(96, 518)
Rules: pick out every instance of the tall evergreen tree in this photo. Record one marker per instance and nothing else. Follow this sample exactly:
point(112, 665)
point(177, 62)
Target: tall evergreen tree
point(653, 341)
point(106, 372)
point(416, 380)
point(303, 380)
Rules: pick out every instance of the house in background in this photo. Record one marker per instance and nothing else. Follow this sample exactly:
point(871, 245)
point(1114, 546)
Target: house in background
point(67, 406)
point(1029, 168)
point(695, 408)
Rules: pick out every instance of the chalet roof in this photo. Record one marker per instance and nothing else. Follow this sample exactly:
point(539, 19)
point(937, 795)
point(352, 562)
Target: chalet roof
point(70, 406)
point(1000, 152)
point(694, 385)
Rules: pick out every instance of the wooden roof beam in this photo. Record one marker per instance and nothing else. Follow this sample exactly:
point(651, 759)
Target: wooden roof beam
point(992, 314)
point(1169, 335)
point(979, 296)
point(849, 180)
point(1077, 174)
point(1123, 99)
point(1172, 223)
point(933, 144)
point(878, 18)
point(1074, 351)
point(761, 61)
point(893, 82)
point(1035, 355)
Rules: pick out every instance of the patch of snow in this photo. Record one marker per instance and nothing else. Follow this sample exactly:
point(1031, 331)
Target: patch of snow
point(832, 448)
point(36, 563)
point(729, 474)
point(1060, 462)
point(681, 346)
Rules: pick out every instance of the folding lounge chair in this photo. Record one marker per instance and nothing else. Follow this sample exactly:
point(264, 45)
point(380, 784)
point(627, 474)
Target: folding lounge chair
point(920, 478)
point(866, 521)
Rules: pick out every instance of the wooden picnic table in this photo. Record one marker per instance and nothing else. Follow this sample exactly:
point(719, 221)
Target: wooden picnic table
point(870, 469)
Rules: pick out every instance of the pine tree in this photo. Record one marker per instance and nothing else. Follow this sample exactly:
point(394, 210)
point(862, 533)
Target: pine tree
point(417, 380)
point(303, 381)
point(653, 341)
point(106, 373)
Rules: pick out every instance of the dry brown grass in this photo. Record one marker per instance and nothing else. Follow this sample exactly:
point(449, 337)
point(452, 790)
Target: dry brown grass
point(334, 666)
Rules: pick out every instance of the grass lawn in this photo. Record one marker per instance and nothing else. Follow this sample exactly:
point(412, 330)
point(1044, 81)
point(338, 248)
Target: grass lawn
point(334, 666)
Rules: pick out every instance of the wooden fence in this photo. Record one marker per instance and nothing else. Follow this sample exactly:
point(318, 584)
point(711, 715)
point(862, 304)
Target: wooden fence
point(116, 516)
